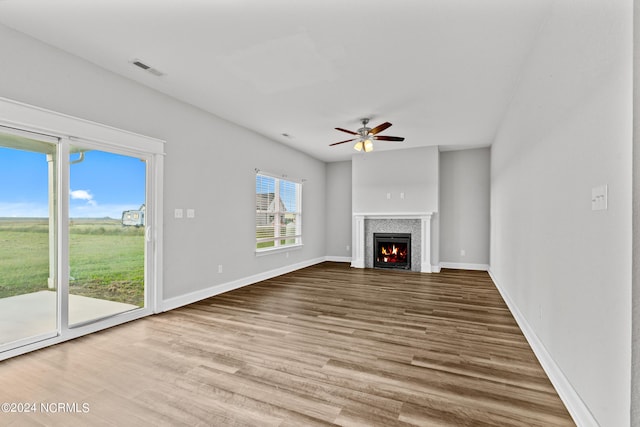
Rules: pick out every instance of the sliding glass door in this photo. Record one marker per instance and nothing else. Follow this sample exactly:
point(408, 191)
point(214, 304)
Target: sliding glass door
point(28, 238)
point(77, 251)
point(107, 223)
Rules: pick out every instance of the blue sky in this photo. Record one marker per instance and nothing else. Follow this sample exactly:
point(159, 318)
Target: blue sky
point(103, 185)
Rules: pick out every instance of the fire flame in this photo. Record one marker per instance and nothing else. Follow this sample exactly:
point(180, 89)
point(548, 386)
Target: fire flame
point(393, 251)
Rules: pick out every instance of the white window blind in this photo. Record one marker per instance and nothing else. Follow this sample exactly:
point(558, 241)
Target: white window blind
point(278, 213)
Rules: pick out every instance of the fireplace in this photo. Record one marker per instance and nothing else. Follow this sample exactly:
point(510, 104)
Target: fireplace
point(418, 224)
point(392, 250)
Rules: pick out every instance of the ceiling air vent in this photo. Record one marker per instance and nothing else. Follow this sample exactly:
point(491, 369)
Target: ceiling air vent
point(147, 68)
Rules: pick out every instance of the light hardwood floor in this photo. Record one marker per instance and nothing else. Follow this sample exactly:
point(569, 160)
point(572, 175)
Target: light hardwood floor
point(321, 346)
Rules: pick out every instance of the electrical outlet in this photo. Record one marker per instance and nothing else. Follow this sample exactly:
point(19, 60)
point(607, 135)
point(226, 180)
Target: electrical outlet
point(191, 213)
point(348, 248)
point(219, 268)
point(463, 252)
point(178, 213)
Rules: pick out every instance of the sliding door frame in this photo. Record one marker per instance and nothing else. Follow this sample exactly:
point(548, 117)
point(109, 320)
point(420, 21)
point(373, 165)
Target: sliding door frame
point(71, 130)
point(53, 212)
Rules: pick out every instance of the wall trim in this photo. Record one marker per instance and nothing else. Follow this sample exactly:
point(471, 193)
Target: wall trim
point(395, 215)
point(338, 258)
point(576, 407)
point(464, 266)
point(191, 297)
point(41, 120)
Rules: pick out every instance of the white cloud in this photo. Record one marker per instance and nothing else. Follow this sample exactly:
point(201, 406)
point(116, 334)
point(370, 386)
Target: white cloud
point(83, 195)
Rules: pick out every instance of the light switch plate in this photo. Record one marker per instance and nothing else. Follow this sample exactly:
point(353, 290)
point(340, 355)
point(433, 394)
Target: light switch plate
point(599, 198)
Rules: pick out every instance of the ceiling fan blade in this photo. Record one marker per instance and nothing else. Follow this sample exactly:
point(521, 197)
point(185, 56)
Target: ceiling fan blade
point(342, 142)
point(388, 138)
point(347, 131)
point(379, 128)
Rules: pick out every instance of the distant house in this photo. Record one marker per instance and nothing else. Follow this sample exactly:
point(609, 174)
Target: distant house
point(134, 217)
point(266, 207)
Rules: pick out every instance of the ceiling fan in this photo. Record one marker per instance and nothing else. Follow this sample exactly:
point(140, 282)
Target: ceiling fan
point(366, 136)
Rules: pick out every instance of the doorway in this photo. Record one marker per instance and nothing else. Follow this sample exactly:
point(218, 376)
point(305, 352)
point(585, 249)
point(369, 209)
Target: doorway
point(72, 260)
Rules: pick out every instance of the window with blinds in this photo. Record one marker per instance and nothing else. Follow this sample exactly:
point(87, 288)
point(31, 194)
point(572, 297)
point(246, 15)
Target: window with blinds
point(278, 213)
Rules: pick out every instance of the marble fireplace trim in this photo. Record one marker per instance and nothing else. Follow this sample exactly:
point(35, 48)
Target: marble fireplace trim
point(358, 260)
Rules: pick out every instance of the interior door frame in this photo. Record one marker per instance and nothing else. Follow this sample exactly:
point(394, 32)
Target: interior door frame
point(71, 130)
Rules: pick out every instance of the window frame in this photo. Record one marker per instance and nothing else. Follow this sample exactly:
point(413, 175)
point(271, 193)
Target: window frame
point(279, 241)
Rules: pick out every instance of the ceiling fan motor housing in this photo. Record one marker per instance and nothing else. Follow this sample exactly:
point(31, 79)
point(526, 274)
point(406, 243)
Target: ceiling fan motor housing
point(364, 130)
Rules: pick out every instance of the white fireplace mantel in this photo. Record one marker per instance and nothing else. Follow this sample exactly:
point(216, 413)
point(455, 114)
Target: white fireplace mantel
point(425, 235)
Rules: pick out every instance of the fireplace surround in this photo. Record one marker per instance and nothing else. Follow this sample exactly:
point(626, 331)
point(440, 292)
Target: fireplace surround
point(418, 224)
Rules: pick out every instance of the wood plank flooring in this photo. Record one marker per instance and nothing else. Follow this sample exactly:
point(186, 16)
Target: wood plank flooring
point(326, 345)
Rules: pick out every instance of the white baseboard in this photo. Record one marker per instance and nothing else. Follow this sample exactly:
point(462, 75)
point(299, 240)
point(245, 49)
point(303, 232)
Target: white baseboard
point(576, 407)
point(435, 269)
point(338, 258)
point(182, 300)
point(464, 266)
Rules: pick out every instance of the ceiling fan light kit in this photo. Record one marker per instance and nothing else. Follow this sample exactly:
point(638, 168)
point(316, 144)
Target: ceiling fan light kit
point(367, 135)
point(364, 144)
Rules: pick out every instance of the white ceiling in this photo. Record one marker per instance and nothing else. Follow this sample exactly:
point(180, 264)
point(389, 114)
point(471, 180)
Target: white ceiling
point(442, 71)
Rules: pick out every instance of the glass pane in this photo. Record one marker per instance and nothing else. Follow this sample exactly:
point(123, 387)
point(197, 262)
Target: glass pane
point(265, 229)
point(289, 228)
point(288, 194)
point(265, 208)
point(107, 212)
point(282, 228)
point(28, 291)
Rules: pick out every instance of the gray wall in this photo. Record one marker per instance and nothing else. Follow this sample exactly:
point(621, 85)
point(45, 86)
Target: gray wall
point(464, 206)
point(567, 268)
point(209, 164)
point(413, 172)
point(338, 212)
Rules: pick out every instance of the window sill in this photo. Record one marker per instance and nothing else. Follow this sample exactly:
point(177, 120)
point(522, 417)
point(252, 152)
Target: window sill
point(280, 249)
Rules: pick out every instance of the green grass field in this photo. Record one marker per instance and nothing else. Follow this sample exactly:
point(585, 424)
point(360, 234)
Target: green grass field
point(106, 259)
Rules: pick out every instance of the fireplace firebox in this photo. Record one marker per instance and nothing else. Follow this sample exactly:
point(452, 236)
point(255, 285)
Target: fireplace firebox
point(392, 250)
